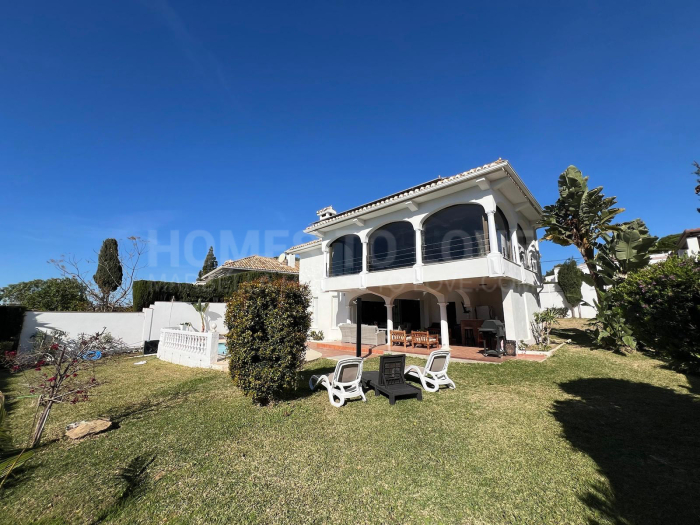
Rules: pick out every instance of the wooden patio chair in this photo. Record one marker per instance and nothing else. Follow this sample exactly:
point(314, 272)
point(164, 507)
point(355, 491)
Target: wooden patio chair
point(397, 337)
point(434, 374)
point(343, 383)
point(425, 339)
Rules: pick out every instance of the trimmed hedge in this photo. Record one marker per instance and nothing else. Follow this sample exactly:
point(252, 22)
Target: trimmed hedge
point(220, 290)
point(11, 321)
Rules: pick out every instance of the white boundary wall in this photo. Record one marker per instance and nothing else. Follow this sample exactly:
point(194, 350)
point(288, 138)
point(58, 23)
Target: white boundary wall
point(552, 296)
point(127, 326)
point(132, 327)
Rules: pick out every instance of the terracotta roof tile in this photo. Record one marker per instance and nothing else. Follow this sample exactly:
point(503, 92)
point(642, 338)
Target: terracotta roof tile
point(257, 262)
point(304, 245)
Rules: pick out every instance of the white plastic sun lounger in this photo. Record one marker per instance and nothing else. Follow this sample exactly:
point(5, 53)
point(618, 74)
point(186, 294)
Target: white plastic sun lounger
point(343, 383)
point(434, 375)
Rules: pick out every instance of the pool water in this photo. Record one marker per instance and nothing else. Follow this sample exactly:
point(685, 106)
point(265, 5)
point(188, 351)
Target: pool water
point(222, 349)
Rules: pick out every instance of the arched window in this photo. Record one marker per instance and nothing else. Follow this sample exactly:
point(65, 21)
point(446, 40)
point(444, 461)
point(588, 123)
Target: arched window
point(503, 234)
point(392, 246)
point(522, 247)
point(346, 256)
point(456, 232)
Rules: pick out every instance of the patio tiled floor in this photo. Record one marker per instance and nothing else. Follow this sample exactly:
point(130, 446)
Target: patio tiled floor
point(330, 349)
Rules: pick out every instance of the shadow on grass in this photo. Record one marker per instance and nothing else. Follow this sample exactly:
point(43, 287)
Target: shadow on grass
point(645, 440)
point(578, 336)
point(134, 477)
point(302, 389)
point(162, 398)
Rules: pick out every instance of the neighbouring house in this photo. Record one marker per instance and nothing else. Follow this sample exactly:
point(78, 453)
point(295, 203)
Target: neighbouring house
point(689, 243)
point(441, 255)
point(284, 264)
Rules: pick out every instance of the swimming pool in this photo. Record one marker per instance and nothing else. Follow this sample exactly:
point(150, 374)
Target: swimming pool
point(222, 349)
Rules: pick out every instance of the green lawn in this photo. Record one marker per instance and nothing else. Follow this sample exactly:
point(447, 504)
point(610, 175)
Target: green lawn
point(586, 436)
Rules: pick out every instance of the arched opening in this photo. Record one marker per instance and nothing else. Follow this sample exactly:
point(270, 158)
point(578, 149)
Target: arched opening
point(373, 310)
point(392, 246)
point(456, 232)
point(522, 247)
point(346, 256)
point(503, 235)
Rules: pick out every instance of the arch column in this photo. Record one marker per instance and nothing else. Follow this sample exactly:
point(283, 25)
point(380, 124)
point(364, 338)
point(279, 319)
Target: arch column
point(418, 267)
point(389, 319)
point(537, 270)
point(444, 327)
point(365, 253)
point(365, 256)
point(493, 235)
point(327, 261)
point(514, 250)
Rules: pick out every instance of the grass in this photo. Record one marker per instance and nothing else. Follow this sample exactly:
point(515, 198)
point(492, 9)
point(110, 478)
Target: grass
point(584, 437)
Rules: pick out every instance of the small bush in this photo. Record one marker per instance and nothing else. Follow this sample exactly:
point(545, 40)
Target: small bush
point(316, 335)
point(661, 305)
point(268, 324)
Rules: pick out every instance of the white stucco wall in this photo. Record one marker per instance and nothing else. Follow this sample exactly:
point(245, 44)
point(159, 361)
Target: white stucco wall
point(519, 304)
point(552, 296)
point(328, 308)
point(165, 314)
point(127, 326)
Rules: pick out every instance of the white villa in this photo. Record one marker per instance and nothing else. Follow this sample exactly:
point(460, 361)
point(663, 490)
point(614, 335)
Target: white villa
point(438, 255)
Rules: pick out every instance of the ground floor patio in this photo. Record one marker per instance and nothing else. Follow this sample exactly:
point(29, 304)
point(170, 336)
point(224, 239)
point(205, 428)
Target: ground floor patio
point(334, 349)
point(453, 310)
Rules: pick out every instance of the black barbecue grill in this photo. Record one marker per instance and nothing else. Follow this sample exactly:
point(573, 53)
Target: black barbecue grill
point(493, 332)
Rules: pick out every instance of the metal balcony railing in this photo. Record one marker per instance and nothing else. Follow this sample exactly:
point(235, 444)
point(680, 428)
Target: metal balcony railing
point(456, 248)
point(390, 260)
point(347, 266)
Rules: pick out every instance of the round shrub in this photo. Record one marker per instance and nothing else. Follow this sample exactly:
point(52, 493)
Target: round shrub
point(661, 305)
point(268, 324)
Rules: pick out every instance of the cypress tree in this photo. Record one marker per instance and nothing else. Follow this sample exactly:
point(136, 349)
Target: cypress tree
point(570, 279)
point(210, 263)
point(108, 276)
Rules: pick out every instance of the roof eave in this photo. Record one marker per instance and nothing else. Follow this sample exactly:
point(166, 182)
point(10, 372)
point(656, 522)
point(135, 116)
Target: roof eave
point(361, 210)
point(304, 248)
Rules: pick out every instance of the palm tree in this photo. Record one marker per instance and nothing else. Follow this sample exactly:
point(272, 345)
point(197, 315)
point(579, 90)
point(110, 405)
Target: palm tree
point(580, 217)
point(201, 310)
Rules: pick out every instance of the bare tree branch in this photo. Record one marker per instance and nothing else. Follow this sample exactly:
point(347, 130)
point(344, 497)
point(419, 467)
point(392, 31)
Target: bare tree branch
point(130, 259)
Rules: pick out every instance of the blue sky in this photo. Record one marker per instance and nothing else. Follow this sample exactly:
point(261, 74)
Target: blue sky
point(148, 118)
